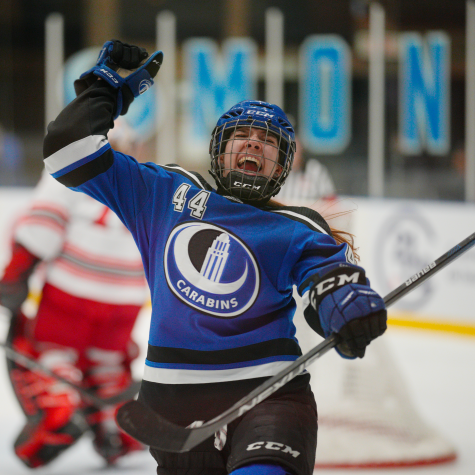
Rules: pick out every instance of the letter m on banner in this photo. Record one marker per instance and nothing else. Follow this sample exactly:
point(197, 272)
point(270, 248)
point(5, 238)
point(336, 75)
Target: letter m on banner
point(424, 97)
point(215, 84)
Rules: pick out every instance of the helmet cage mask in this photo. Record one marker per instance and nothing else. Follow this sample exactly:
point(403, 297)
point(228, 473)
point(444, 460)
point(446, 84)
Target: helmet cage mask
point(252, 187)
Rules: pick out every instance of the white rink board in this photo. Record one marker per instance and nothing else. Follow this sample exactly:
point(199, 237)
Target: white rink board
point(396, 239)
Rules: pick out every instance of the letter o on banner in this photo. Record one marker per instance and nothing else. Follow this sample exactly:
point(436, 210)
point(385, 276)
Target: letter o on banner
point(325, 94)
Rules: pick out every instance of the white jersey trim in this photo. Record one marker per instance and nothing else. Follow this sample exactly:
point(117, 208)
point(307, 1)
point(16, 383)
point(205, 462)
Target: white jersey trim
point(306, 299)
point(74, 152)
point(303, 218)
point(193, 376)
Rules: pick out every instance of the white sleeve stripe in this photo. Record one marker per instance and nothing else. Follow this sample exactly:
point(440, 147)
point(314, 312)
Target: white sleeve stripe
point(303, 218)
point(306, 299)
point(184, 172)
point(74, 152)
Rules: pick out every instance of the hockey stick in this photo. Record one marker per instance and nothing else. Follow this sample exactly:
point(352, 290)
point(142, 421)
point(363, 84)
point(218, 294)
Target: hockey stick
point(33, 365)
point(153, 430)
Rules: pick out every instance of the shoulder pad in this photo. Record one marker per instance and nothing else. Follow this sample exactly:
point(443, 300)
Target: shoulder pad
point(194, 177)
point(307, 216)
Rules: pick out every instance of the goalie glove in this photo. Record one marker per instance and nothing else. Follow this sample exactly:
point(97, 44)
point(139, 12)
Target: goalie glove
point(342, 302)
point(124, 67)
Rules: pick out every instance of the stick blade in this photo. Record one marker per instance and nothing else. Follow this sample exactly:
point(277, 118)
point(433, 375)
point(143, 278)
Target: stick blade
point(149, 428)
point(125, 395)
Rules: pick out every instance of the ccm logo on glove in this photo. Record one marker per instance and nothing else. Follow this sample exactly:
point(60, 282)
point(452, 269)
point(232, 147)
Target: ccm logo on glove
point(109, 75)
point(338, 277)
point(343, 279)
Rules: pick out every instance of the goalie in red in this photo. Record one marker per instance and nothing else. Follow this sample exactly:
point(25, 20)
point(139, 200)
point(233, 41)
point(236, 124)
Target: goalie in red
point(94, 288)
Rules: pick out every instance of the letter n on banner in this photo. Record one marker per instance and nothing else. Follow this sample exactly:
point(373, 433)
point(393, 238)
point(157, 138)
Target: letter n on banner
point(325, 94)
point(424, 93)
point(215, 83)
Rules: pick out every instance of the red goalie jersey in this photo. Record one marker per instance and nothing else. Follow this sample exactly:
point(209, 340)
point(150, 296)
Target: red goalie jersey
point(94, 287)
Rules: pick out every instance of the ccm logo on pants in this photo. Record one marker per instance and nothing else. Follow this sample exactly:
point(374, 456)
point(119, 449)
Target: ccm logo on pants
point(273, 446)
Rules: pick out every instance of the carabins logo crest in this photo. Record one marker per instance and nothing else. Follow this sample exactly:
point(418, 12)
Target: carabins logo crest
point(210, 269)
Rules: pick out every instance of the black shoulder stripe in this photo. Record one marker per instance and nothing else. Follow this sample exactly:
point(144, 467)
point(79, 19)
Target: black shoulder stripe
point(194, 177)
point(203, 182)
point(84, 173)
point(306, 216)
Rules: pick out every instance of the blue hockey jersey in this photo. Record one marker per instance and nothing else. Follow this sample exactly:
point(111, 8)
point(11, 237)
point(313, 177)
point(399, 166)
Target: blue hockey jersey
point(221, 272)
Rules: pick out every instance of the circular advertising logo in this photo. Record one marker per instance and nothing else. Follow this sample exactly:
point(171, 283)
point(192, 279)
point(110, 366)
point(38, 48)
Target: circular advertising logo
point(405, 245)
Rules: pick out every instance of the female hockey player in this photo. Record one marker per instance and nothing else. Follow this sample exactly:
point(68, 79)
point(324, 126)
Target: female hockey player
point(221, 265)
point(94, 287)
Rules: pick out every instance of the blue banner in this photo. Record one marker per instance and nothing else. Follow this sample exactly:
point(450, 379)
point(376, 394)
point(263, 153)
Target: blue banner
point(325, 94)
point(424, 95)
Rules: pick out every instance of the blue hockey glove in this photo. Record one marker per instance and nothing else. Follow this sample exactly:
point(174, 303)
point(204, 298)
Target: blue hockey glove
point(127, 68)
point(345, 304)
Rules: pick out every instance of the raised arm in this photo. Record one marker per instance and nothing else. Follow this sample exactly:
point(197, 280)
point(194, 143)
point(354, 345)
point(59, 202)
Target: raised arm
point(76, 150)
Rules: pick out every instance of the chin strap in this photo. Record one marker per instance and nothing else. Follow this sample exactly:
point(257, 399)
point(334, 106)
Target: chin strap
point(243, 188)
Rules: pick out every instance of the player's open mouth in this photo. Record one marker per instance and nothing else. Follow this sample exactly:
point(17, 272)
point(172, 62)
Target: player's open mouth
point(249, 164)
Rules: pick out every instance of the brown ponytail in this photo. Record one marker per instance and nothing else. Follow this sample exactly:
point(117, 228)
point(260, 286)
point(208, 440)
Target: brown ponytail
point(344, 237)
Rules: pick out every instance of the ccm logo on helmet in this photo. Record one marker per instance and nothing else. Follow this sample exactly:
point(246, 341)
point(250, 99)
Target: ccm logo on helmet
point(254, 112)
point(273, 446)
point(246, 185)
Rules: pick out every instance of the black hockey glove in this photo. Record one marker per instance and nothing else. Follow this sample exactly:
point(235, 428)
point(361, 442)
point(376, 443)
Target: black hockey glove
point(344, 303)
point(12, 295)
point(126, 68)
